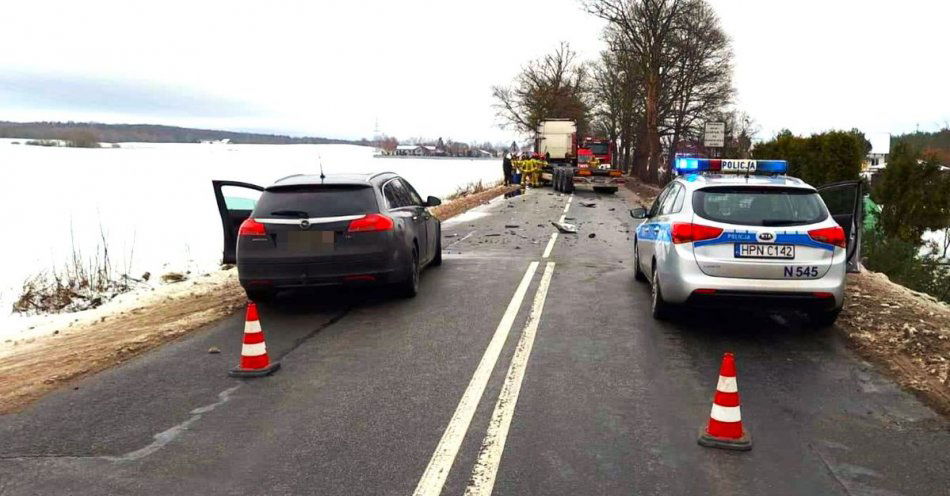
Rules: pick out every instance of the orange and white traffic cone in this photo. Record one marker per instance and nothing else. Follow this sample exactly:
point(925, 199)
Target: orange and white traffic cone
point(254, 359)
point(725, 421)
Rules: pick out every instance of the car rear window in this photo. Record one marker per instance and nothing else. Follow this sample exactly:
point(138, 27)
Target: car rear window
point(751, 206)
point(316, 201)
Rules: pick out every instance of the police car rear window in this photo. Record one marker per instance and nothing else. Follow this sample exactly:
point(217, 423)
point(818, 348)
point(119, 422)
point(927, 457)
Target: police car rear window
point(309, 201)
point(751, 206)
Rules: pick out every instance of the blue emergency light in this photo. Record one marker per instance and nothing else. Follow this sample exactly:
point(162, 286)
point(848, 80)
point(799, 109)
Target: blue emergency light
point(736, 166)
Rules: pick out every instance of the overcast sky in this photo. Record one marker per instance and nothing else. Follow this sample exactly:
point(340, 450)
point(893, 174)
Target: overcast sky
point(425, 68)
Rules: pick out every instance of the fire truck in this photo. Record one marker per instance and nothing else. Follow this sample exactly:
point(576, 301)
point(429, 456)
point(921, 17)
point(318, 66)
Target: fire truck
point(568, 163)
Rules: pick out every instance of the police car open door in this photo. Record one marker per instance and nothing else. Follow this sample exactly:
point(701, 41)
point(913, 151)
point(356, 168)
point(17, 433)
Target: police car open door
point(235, 202)
point(845, 201)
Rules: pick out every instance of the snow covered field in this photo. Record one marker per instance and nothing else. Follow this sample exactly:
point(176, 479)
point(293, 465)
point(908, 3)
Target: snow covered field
point(154, 202)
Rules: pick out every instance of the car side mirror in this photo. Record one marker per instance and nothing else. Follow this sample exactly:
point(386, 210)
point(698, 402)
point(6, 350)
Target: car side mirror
point(433, 201)
point(638, 213)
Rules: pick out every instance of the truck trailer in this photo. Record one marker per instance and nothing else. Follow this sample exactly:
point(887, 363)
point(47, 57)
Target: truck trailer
point(569, 164)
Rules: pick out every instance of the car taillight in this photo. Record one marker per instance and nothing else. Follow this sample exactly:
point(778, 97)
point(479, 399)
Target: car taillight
point(251, 227)
point(615, 173)
point(371, 222)
point(684, 232)
point(830, 235)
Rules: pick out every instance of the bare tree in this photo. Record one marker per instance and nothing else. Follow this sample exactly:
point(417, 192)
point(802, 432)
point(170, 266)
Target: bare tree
point(554, 86)
point(675, 64)
point(699, 80)
point(643, 30)
point(618, 93)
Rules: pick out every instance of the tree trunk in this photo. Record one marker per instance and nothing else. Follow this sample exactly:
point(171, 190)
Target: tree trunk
point(653, 152)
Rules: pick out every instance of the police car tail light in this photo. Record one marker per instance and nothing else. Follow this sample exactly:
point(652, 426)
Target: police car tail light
point(684, 232)
point(370, 223)
point(830, 235)
point(251, 227)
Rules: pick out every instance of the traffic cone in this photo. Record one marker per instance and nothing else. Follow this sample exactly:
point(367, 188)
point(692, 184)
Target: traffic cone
point(254, 359)
point(725, 421)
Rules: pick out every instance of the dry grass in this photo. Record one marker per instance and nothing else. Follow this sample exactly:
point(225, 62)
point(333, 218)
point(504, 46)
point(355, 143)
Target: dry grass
point(471, 189)
point(84, 282)
point(470, 200)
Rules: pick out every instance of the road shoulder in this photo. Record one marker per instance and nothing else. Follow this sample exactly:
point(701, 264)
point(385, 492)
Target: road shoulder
point(115, 333)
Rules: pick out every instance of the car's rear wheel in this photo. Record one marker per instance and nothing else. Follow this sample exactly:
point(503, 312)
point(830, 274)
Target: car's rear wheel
point(637, 273)
point(260, 295)
point(410, 287)
point(659, 307)
point(822, 319)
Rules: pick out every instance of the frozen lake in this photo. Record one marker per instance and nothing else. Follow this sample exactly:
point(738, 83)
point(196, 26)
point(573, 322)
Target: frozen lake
point(155, 202)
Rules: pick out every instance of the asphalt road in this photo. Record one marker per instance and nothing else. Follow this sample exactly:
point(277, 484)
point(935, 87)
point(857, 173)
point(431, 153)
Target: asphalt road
point(511, 372)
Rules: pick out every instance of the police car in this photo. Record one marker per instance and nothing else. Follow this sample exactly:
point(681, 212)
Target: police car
point(742, 234)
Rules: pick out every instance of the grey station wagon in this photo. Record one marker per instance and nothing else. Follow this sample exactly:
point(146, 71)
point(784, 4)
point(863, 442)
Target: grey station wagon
point(310, 231)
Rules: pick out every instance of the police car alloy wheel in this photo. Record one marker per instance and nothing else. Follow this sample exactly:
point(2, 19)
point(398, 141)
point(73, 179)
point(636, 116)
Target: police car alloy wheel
point(659, 307)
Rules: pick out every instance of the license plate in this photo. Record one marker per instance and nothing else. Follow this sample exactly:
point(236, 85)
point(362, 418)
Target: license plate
point(751, 250)
point(310, 241)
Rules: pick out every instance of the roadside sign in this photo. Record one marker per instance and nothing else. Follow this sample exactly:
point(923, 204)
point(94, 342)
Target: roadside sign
point(715, 135)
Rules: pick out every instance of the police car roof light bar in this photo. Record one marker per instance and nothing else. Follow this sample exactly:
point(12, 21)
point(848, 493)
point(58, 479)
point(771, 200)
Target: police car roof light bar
point(689, 165)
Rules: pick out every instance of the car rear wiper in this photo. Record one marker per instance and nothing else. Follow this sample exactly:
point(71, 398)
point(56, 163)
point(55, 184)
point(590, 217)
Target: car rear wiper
point(295, 213)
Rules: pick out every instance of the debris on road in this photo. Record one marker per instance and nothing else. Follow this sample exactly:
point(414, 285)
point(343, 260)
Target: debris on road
point(592, 235)
point(214, 350)
point(565, 227)
point(511, 226)
point(489, 235)
point(587, 204)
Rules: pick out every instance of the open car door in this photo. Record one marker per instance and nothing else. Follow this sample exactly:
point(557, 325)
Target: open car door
point(845, 201)
point(235, 202)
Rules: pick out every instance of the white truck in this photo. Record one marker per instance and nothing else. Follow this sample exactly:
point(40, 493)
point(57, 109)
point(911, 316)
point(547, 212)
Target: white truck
point(556, 141)
point(570, 162)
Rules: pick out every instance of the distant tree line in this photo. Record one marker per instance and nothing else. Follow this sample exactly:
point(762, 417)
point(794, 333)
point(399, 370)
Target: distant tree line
point(934, 144)
point(820, 158)
point(147, 133)
point(444, 148)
